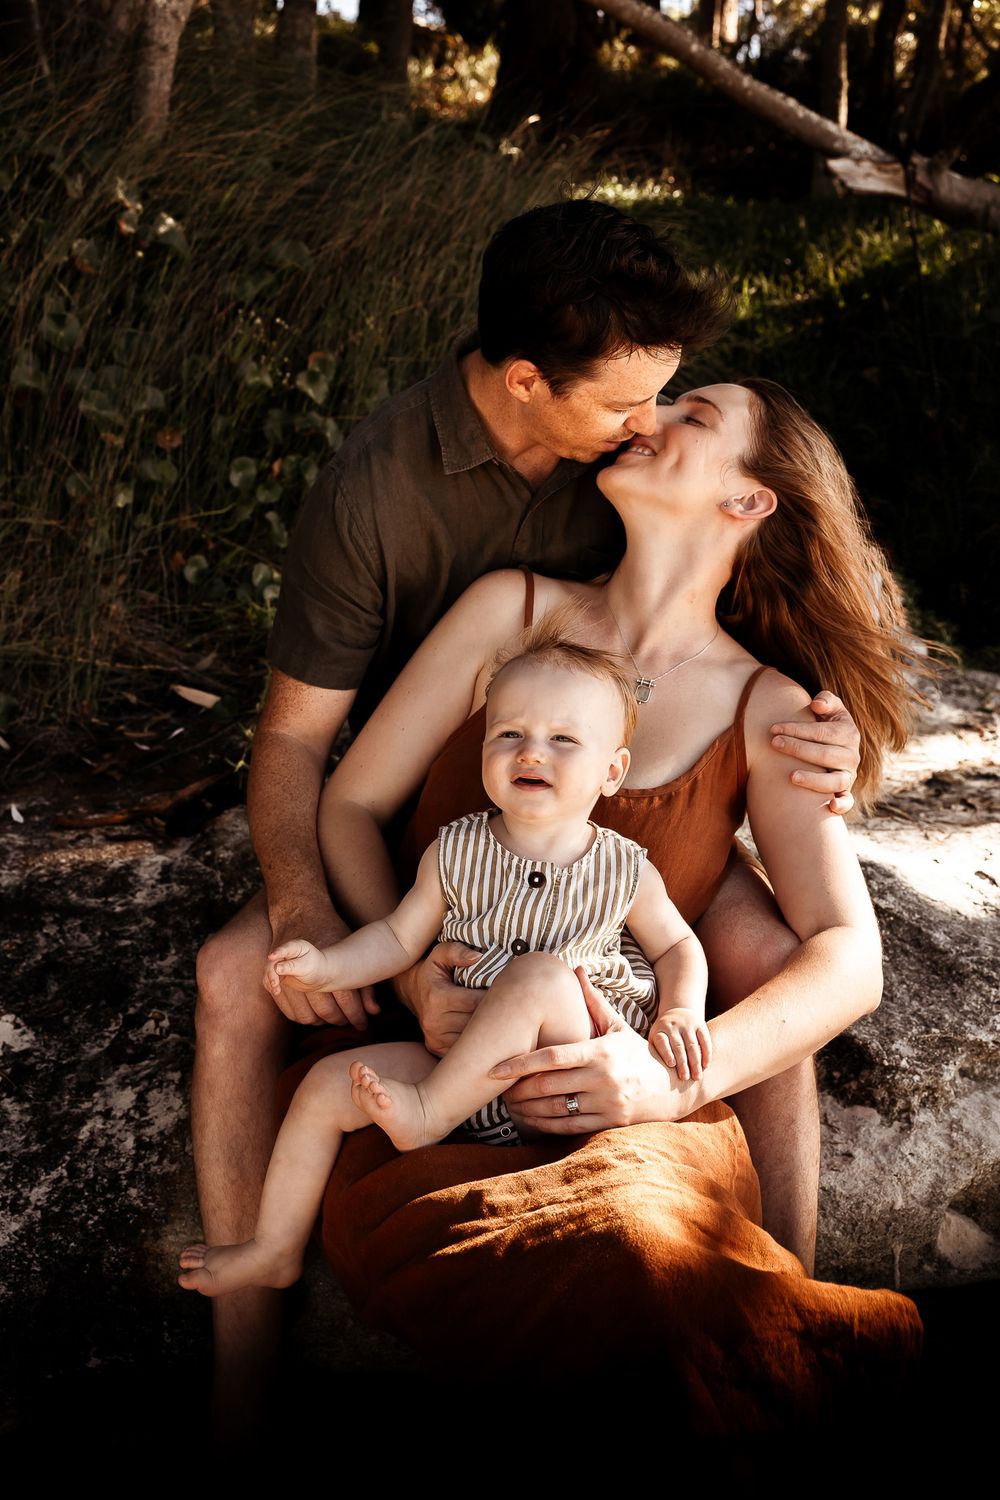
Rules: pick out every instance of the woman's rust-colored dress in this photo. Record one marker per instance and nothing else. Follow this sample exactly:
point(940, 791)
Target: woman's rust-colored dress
point(636, 1248)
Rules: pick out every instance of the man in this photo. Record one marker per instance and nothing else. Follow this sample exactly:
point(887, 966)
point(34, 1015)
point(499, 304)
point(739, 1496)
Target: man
point(583, 315)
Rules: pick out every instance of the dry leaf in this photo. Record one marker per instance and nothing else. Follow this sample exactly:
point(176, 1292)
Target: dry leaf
point(195, 695)
point(16, 814)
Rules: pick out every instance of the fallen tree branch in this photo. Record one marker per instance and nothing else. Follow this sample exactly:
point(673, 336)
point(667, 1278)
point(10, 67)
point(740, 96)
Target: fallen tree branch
point(156, 806)
point(853, 160)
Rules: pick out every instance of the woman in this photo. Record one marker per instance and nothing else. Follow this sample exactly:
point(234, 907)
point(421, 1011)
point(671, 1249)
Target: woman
point(740, 503)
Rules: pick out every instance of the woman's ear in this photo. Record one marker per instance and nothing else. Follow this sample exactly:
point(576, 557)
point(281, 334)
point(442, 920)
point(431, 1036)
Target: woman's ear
point(617, 772)
point(753, 506)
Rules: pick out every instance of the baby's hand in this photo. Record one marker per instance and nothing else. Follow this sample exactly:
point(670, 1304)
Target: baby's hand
point(299, 965)
point(683, 1040)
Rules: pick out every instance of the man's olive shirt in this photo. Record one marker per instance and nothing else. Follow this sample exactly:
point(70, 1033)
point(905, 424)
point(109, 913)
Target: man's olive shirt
point(414, 507)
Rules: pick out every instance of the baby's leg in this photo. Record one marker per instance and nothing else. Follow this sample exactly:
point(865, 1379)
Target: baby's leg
point(536, 1002)
point(307, 1146)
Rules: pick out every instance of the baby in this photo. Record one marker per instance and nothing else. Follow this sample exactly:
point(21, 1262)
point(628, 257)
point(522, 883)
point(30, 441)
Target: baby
point(536, 887)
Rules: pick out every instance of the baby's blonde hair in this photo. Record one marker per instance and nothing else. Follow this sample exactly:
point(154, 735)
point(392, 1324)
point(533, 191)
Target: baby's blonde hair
point(549, 642)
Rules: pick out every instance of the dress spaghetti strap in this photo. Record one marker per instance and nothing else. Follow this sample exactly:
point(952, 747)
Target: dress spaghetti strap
point(529, 597)
point(741, 707)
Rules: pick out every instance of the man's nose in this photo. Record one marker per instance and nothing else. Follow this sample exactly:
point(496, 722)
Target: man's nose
point(643, 419)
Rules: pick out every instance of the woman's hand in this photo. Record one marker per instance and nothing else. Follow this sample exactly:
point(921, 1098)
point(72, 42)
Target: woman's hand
point(615, 1077)
point(440, 1005)
point(833, 744)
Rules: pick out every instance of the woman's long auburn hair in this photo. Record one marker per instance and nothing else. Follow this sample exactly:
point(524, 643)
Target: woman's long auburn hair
point(812, 593)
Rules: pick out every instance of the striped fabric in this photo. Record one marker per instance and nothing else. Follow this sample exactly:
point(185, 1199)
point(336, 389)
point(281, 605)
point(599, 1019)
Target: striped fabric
point(504, 904)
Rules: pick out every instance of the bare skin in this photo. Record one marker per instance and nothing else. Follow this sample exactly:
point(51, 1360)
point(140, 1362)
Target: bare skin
point(242, 1033)
point(344, 1093)
point(321, 1113)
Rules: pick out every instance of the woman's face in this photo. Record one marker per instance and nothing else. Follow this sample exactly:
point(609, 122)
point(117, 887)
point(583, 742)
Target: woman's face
point(692, 458)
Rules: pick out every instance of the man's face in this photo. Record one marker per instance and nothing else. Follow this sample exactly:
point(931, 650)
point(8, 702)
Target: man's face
point(595, 415)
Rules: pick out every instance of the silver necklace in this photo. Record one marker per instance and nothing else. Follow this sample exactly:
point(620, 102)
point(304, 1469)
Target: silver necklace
point(644, 685)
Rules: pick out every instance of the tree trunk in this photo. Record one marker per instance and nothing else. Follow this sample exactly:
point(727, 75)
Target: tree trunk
point(718, 22)
point(929, 185)
point(296, 39)
point(729, 26)
point(548, 61)
point(232, 29)
point(124, 19)
point(832, 81)
point(926, 68)
point(162, 24)
point(882, 76)
point(708, 22)
point(957, 200)
point(973, 119)
point(389, 24)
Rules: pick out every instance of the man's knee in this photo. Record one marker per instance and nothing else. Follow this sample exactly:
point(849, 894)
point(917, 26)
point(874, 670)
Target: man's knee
point(229, 970)
point(745, 938)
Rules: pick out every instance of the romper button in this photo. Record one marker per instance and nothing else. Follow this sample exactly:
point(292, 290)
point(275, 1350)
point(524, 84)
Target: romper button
point(505, 1130)
point(519, 946)
point(536, 878)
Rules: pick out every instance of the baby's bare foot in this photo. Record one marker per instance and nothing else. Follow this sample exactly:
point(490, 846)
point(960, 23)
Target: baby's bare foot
point(396, 1107)
point(215, 1270)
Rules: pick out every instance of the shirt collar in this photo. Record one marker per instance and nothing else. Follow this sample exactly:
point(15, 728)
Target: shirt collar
point(465, 443)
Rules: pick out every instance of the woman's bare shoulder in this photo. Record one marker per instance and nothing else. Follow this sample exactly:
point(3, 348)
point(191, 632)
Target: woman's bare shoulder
point(505, 593)
point(494, 591)
point(774, 699)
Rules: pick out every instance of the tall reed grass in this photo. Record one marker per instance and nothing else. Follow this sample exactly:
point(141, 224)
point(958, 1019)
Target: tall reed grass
point(193, 329)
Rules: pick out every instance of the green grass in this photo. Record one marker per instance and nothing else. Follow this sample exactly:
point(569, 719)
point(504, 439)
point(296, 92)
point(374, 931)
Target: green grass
point(196, 325)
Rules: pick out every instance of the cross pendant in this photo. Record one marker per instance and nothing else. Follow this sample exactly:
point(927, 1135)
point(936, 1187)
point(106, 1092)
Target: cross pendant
point(643, 688)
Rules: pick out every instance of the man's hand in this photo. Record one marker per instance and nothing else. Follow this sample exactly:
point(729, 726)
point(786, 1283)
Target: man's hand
point(832, 743)
point(440, 1005)
point(298, 966)
point(616, 1078)
point(323, 928)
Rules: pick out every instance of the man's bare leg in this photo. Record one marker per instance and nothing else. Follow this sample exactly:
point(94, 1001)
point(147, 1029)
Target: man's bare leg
point(747, 943)
point(242, 1041)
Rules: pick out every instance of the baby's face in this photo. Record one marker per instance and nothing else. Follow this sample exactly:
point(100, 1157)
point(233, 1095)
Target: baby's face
point(553, 741)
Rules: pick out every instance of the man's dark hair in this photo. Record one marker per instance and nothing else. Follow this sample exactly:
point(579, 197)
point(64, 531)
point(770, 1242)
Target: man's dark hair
point(571, 284)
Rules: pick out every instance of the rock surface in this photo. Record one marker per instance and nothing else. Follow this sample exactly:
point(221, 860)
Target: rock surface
point(910, 1192)
point(96, 1037)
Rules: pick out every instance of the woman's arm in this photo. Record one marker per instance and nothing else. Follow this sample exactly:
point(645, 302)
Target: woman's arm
point(388, 761)
point(835, 975)
point(832, 978)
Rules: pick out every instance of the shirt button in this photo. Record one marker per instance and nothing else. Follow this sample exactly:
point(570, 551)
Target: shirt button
point(519, 946)
point(536, 878)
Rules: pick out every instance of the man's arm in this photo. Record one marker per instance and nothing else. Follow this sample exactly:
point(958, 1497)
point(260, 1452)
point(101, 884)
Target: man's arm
point(292, 744)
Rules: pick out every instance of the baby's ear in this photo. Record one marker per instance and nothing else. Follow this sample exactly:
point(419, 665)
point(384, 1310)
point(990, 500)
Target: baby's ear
point(617, 771)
